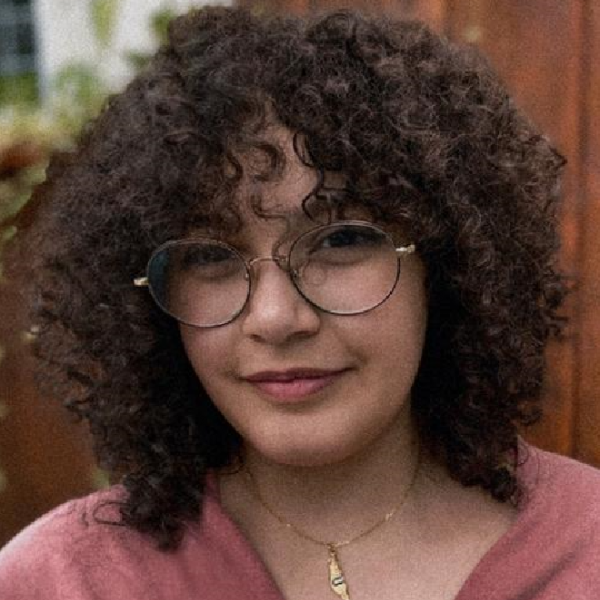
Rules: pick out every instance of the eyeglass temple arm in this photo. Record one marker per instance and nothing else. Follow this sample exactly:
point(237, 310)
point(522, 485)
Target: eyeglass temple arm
point(403, 250)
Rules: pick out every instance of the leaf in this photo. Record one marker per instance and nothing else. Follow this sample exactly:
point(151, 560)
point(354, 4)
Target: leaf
point(137, 60)
point(159, 23)
point(79, 95)
point(10, 206)
point(7, 234)
point(100, 479)
point(103, 16)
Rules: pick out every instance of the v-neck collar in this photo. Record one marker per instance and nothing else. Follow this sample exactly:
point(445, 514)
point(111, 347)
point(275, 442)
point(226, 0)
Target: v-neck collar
point(530, 472)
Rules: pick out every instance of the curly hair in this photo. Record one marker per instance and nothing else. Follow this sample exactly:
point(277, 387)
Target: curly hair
point(425, 134)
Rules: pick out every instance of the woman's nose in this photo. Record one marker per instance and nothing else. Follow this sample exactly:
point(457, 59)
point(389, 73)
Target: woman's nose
point(276, 312)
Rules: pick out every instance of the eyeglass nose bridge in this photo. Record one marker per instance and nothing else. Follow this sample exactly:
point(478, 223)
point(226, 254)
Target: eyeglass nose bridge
point(281, 261)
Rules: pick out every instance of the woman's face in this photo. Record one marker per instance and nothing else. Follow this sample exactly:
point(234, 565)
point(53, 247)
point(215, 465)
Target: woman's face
point(304, 387)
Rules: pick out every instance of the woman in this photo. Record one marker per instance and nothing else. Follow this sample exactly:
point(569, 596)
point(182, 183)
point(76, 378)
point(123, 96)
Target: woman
point(299, 278)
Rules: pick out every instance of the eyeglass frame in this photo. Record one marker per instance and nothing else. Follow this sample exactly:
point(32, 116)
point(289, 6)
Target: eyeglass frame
point(282, 261)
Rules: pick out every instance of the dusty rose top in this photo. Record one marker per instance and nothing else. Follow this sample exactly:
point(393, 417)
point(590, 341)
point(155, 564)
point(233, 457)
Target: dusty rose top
point(551, 552)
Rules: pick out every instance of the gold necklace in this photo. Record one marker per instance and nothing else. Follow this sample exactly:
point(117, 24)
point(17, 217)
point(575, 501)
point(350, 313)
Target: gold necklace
point(337, 580)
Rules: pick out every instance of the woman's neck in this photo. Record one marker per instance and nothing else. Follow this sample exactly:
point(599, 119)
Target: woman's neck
point(332, 501)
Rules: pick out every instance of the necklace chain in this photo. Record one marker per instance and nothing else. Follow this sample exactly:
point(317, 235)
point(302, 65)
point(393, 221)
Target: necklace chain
point(336, 577)
point(339, 544)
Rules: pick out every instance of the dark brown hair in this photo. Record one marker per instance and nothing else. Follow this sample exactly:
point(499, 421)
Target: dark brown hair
point(426, 135)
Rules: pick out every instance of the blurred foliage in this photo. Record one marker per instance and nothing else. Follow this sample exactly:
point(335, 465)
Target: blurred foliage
point(159, 25)
point(28, 138)
point(77, 95)
point(19, 89)
point(100, 479)
point(30, 133)
point(103, 18)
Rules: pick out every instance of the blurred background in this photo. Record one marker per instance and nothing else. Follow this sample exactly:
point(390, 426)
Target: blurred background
point(60, 58)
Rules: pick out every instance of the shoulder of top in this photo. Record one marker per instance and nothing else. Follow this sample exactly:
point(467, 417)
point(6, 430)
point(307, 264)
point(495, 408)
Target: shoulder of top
point(564, 479)
point(561, 466)
point(78, 522)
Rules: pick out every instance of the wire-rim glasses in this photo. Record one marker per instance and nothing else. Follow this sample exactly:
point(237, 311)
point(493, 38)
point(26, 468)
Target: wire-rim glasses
point(343, 268)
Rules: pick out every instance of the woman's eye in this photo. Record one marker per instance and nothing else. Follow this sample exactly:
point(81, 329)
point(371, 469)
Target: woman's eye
point(206, 256)
point(207, 263)
point(349, 238)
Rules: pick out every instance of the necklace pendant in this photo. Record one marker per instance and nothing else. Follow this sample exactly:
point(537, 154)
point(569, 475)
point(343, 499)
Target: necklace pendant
point(337, 580)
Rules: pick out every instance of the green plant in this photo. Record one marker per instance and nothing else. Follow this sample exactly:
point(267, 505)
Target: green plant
point(159, 24)
point(103, 18)
point(18, 89)
point(77, 96)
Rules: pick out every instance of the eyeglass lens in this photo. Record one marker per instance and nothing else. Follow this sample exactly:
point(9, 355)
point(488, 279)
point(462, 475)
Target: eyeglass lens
point(340, 268)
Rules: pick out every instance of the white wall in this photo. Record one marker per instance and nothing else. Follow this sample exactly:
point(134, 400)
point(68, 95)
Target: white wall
point(64, 35)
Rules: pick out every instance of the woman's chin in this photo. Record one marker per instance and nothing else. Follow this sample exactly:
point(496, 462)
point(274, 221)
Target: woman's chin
point(308, 451)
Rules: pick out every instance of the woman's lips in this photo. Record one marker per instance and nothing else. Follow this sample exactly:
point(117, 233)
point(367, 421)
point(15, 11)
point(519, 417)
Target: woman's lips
point(290, 386)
